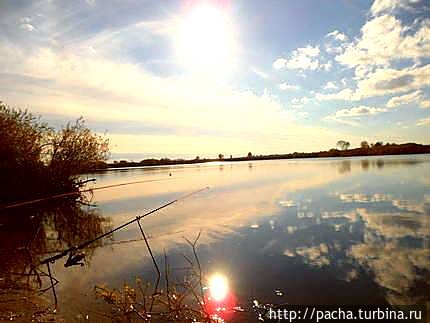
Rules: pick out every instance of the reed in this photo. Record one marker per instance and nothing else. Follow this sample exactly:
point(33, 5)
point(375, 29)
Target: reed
point(178, 301)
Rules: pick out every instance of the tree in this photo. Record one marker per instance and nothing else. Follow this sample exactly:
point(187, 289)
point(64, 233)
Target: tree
point(342, 144)
point(46, 161)
point(75, 149)
point(23, 137)
point(364, 144)
point(377, 144)
point(249, 155)
point(220, 156)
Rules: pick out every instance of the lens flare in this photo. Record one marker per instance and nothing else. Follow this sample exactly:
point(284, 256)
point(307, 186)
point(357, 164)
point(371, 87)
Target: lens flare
point(218, 287)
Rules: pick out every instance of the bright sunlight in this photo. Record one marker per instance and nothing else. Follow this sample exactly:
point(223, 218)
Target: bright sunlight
point(205, 39)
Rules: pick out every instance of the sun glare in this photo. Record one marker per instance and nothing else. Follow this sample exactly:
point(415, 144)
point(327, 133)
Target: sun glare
point(218, 287)
point(204, 40)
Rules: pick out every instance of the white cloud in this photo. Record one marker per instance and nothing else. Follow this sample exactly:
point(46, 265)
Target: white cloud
point(303, 100)
point(25, 24)
point(423, 122)
point(383, 81)
point(260, 73)
point(327, 66)
point(384, 39)
point(27, 27)
point(336, 42)
point(405, 99)
point(334, 49)
point(285, 86)
point(358, 111)
point(383, 6)
point(117, 93)
point(345, 94)
point(425, 104)
point(279, 63)
point(361, 71)
point(391, 81)
point(344, 115)
point(25, 20)
point(302, 58)
point(337, 35)
point(298, 103)
point(91, 2)
point(166, 27)
point(330, 86)
point(342, 121)
point(125, 85)
point(308, 51)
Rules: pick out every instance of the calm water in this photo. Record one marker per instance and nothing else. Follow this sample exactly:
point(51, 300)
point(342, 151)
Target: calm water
point(322, 231)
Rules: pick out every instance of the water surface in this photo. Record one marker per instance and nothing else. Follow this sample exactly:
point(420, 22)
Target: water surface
point(322, 231)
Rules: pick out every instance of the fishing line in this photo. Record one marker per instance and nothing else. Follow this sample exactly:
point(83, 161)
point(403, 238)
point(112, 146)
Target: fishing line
point(136, 219)
point(11, 206)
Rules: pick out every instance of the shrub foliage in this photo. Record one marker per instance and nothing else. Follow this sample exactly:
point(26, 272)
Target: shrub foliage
point(37, 160)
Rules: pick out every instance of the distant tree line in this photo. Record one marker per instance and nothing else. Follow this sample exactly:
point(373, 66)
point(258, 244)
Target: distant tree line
point(344, 145)
point(365, 149)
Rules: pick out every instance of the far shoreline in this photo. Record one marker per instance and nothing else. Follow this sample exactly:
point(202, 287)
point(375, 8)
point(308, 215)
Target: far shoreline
point(376, 150)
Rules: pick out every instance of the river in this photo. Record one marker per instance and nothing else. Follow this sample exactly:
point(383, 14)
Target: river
point(308, 231)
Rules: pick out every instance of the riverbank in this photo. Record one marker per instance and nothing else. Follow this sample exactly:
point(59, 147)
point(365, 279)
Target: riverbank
point(376, 150)
point(23, 305)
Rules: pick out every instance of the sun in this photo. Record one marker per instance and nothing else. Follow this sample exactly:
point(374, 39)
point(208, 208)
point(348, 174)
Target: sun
point(205, 39)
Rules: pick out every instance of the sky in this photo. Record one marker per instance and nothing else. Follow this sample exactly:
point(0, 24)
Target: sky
point(199, 78)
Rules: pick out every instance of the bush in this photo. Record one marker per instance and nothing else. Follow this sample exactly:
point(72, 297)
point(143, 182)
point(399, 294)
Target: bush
point(38, 161)
point(74, 150)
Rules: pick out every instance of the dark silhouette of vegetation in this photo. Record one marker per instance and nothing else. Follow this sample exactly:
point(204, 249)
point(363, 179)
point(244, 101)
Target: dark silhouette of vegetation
point(179, 300)
point(37, 161)
point(377, 144)
point(342, 144)
point(220, 156)
point(28, 235)
point(364, 145)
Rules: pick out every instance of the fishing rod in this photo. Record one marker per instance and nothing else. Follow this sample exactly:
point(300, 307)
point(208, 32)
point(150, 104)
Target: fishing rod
point(136, 219)
point(43, 199)
point(113, 243)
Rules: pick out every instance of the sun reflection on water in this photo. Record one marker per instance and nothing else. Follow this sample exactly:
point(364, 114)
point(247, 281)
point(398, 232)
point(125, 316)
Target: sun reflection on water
point(218, 287)
point(220, 299)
